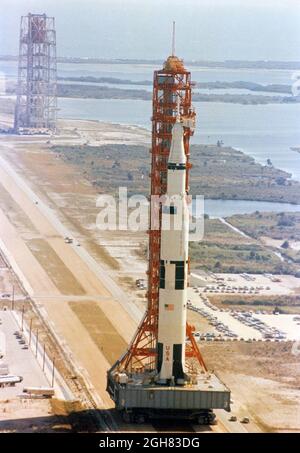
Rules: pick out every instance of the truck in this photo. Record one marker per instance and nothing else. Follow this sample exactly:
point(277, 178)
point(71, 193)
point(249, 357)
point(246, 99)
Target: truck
point(4, 369)
point(10, 380)
point(2, 345)
point(46, 392)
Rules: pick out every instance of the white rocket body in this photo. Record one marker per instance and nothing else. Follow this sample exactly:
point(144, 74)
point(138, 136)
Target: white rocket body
point(173, 267)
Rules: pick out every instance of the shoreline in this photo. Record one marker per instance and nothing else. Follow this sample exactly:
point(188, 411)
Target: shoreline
point(271, 65)
point(143, 138)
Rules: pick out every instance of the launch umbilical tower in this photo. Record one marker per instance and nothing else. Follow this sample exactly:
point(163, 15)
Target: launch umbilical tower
point(172, 90)
point(36, 104)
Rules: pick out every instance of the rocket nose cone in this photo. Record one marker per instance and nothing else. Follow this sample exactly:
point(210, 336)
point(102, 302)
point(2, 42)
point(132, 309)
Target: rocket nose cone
point(177, 154)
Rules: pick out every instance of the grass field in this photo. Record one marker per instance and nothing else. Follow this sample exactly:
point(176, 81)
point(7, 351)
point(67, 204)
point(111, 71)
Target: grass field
point(218, 172)
point(224, 250)
point(285, 304)
point(283, 226)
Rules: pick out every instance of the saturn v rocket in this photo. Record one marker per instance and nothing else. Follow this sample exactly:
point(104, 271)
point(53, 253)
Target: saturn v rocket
point(173, 267)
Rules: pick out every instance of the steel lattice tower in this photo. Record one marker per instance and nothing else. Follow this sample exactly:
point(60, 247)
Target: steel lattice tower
point(36, 105)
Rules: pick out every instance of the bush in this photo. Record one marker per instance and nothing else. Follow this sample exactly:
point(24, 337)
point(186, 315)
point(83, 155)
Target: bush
point(285, 222)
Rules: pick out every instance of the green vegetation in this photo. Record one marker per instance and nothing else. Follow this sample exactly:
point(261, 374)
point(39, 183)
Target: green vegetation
point(285, 304)
point(226, 173)
point(218, 172)
point(251, 86)
point(235, 258)
point(223, 250)
point(282, 226)
point(80, 88)
point(111, 80)
point(105, 92)
point(108, 167)
point(100, 92)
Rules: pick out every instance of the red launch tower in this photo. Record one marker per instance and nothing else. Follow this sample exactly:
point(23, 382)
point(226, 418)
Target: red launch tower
point(172, 88)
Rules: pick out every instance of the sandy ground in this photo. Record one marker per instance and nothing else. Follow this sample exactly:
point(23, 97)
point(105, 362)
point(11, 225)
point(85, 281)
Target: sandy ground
point(271, 242)
point(29, 416)
point(264, 379)
point(286, 323)
point(286, 284)
point(295, 245)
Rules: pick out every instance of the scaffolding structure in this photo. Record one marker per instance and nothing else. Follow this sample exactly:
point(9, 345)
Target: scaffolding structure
point(36, 104)
point(172, 89)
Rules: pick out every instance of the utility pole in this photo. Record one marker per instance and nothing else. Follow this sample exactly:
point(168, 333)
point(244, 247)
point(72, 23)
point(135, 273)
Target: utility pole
point(53, 371)
point(13, 297)
point(30, 329)
point(44, 356)
point(22, 321)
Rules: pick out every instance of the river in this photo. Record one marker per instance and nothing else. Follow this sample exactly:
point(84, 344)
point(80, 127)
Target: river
point(226, 208)
point(262, 131)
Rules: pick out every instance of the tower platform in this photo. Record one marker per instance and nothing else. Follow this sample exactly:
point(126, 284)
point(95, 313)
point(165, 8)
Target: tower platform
point(138, 396)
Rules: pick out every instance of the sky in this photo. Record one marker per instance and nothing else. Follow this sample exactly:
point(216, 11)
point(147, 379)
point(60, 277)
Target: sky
point(205, 29)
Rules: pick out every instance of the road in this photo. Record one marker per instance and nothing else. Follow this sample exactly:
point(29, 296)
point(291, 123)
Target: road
point(235, 229)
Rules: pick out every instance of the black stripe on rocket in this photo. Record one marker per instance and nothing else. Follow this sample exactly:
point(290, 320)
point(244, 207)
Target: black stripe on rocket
point(172, 166)
point(179, 274)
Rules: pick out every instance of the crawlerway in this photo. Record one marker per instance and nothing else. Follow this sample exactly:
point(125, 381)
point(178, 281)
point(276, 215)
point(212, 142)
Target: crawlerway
point(124, 444)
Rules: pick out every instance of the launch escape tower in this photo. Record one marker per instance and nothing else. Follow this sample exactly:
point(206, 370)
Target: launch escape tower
point(36, 105)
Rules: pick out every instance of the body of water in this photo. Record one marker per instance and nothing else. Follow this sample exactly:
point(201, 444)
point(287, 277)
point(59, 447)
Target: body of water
point(138, 72)
point(226, 208)
point(261, 131)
